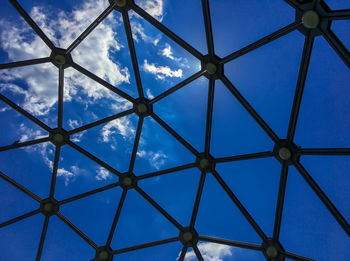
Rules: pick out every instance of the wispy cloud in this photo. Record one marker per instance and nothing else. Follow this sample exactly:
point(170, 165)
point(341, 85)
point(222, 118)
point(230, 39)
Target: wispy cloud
point(161, 71)
point(153, 7)
point(155, 159)
point(210, 252)
point(103, 174)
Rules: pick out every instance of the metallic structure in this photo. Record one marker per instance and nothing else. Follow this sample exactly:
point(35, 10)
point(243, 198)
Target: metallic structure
point(313, 19)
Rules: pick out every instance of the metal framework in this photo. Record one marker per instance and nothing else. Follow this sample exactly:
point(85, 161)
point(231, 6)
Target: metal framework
point(313, 18)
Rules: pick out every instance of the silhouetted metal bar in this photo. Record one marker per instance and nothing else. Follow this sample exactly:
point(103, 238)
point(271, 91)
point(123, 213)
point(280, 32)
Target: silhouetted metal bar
point(24, 144)
point(323, 197)
point(24, 63)
point(230, 243)
point(339, 14)
point(42, 238)
point(198, 199)
point(132, 50)
point(209, 119)
point(150, 244)
point(183, 253)
point(116, 217)
point(60, 96)
point(174, 134)
point(249, 156)
point(249, 109)
point(296, 257)
point(239, 205)
point(166, 31)
point(267, 39)
point(54, 171)
point(25, 113)
point(20, 187)
point(91, 27)
point(159, 208)
point(198, 253)
point(338, 46)
point(304, 65)
point(102, 121)
point(89, 193)
point(178, 86)
point(92, 157)
point(166, 171)
point(326, 152)
point(208, 27)
point(31, 22)
point(76, 230)
point(102, 82)
point(16, 219)
point(136, 144)
point(280, 203)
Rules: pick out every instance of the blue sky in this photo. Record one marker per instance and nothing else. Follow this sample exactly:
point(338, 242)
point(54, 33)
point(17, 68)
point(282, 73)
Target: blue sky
point(266, 77)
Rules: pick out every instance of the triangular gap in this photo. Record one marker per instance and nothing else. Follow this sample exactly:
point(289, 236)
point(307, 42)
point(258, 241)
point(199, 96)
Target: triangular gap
point(248, 22)
point(111, 142)
point(163, 63)
point(18, 41)
point(267, 81)
point(175, 192)
point(78, 174)
point(140, 222)
point(308, 228)
point(339, 4)
point(212, 251)
point(255, 183)
point(20, 240)
point(325, 101)
point(331, 174)
point(13, 202)
point(168, 13)
point(234, 131)
point(159, 150)
point(32, 168)
point(185, 111)
point(105, 53)
point(219, 217)
point(94, 215)
point(16, 127)
point(34, 88)
point(167, 251)
point(342, 29)
point(64, 21)
point(63, 243)
point(87, 101)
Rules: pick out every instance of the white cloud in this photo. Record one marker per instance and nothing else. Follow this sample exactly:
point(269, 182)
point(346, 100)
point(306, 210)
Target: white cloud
point(103, 174)
point(149, 94)
point(138, 32)
point(154, 7)
point(39, 87)
point(210, 252)
point(155, 159)
point(161, 71)
point(121, 126)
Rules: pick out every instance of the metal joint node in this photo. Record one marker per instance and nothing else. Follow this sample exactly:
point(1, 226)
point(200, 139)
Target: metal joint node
point(142, 107)
point(128, 180)
point(272, 251)
point(189, 237)
point(311, 15)
point(286, 153)
point(60, 58)
point(104, 253)
point(59, 137)
point(121, 5)
point(212, 67)
point(49, 206)
point(205, 162)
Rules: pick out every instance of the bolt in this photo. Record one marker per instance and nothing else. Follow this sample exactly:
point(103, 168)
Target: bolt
point(284, 153)
point(310, 19)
